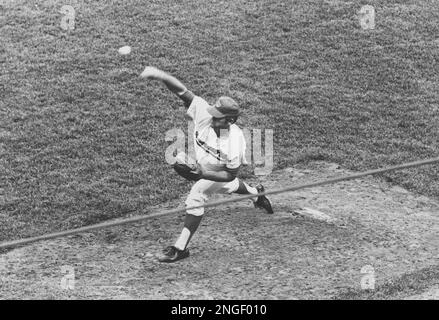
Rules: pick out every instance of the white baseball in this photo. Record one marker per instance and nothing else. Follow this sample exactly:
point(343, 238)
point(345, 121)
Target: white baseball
point(125, 50)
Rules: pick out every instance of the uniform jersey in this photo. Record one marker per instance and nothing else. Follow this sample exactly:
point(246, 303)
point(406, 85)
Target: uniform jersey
point(218, 153)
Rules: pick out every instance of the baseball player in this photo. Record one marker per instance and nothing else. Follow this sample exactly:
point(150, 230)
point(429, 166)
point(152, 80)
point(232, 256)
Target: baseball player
point(219, 151)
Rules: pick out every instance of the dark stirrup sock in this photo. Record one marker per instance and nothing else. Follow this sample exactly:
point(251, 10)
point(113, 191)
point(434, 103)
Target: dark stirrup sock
point(191, 224)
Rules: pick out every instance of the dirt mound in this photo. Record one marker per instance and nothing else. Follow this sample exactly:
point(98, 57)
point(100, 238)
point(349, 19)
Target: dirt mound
point(368, 233)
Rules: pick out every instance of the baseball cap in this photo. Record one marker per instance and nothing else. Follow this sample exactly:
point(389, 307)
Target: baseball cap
point(224, 107)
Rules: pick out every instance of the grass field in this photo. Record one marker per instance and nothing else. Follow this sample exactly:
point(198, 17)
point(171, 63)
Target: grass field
point(82, 137)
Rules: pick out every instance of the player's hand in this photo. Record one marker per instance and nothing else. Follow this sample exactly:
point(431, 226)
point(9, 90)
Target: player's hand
point(152, 73)
point(198, 170)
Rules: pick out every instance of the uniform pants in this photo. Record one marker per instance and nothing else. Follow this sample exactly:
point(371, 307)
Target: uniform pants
point(203, 188)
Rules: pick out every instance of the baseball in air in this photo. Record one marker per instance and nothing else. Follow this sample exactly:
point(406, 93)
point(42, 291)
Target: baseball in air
point(124, 50)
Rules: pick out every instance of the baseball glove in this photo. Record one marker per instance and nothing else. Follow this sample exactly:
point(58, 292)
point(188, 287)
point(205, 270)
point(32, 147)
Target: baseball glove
point(185, 169)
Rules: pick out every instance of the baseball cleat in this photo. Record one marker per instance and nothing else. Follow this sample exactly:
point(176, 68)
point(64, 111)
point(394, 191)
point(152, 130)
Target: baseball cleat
point(262, 202)
point(172, 254)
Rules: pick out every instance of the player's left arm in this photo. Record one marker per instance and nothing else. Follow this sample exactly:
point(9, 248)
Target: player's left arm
point(226, 175)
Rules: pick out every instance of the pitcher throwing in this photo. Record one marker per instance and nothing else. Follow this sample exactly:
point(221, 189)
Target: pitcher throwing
point(219, 151)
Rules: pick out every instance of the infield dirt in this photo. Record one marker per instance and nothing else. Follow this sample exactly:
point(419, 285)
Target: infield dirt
point(241, 253)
